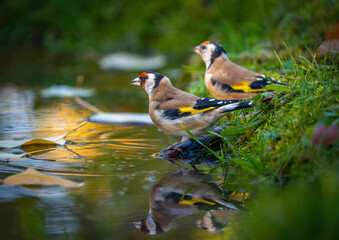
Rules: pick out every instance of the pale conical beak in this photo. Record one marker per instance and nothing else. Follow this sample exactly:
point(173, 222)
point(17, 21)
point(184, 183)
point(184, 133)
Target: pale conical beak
point(197, 49)
point(137, 224)
point(135, 82)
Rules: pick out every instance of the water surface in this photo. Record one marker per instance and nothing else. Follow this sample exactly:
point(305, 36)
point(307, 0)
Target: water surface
point(116, 162)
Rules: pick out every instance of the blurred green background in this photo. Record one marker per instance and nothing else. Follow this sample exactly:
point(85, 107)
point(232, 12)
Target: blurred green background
point(171, 27)
point(61, 30)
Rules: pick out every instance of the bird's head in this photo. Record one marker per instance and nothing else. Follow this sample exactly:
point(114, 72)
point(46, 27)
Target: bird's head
point(149, 81)
point(209, 51)
point(142, 226)
point(148, 226)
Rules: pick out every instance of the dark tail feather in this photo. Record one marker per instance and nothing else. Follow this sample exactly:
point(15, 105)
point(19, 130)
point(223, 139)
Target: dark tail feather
point(263, 80)
point(273, 80)
point(236, 106)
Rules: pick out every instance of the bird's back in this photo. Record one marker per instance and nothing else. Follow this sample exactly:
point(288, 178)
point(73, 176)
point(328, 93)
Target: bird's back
point(227, 80)
point(225, 71)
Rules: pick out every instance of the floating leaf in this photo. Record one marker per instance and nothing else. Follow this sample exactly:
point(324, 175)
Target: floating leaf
point(32, 177)
point(52, 141)
point(122, 118)
point(37, 149)
point(278, 88)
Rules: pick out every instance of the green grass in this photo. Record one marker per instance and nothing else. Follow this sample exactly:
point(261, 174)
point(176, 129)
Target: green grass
point(292, 182)
point(277, 136)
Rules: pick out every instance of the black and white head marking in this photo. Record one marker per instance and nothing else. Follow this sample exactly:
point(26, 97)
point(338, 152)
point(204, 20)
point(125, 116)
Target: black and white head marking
point(150, 81)
point(148, 226)
point(209, 51)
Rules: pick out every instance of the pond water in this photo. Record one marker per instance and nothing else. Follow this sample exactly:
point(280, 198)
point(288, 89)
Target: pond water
point(115, 162)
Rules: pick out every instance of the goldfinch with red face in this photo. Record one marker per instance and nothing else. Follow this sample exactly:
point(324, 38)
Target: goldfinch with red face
point(227, 80)
point(171, 108)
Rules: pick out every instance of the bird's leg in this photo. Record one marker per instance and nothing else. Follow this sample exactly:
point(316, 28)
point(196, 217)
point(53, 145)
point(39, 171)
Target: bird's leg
point(184, 139)
point(172, 150)
point(172, 146)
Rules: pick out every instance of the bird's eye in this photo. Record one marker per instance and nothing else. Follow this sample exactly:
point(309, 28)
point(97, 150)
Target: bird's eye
point(144, 228)
point(143, 76)
point(203, 47)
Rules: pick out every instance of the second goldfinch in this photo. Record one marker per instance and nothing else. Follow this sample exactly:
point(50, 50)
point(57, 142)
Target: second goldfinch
point(227, 80)
point(171, 108)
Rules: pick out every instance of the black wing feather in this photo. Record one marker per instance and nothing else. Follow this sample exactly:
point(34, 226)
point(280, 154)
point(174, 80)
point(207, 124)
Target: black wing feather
point(224, 87)
point(259, 84)
point(202, 103)
point(208, 102)
point(175, 114)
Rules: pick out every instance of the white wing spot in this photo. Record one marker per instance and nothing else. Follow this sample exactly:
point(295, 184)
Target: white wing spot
point(211, 100)
point(220, 102)
point(232, 106)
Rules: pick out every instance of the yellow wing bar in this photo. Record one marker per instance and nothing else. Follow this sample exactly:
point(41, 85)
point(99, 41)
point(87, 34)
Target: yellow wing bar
point(194, 111)
point(246, 88)
point(195, 200)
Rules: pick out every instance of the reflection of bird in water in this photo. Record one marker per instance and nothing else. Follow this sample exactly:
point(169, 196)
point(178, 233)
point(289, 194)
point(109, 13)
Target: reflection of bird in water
point(168, 202)
point(215, 220)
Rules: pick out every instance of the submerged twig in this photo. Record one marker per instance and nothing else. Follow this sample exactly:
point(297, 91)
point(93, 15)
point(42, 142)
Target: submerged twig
point(30, 154)
point(86, 105)
point(80, 101)
point(76, 128)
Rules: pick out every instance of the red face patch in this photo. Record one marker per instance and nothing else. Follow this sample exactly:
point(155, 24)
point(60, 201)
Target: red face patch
point(144, 228)
point(205, 43)
point(144, 75)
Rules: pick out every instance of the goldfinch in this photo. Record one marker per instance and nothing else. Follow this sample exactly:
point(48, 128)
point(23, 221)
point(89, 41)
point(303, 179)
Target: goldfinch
point(227, 80)
point(171, 108)
point(168, 202)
